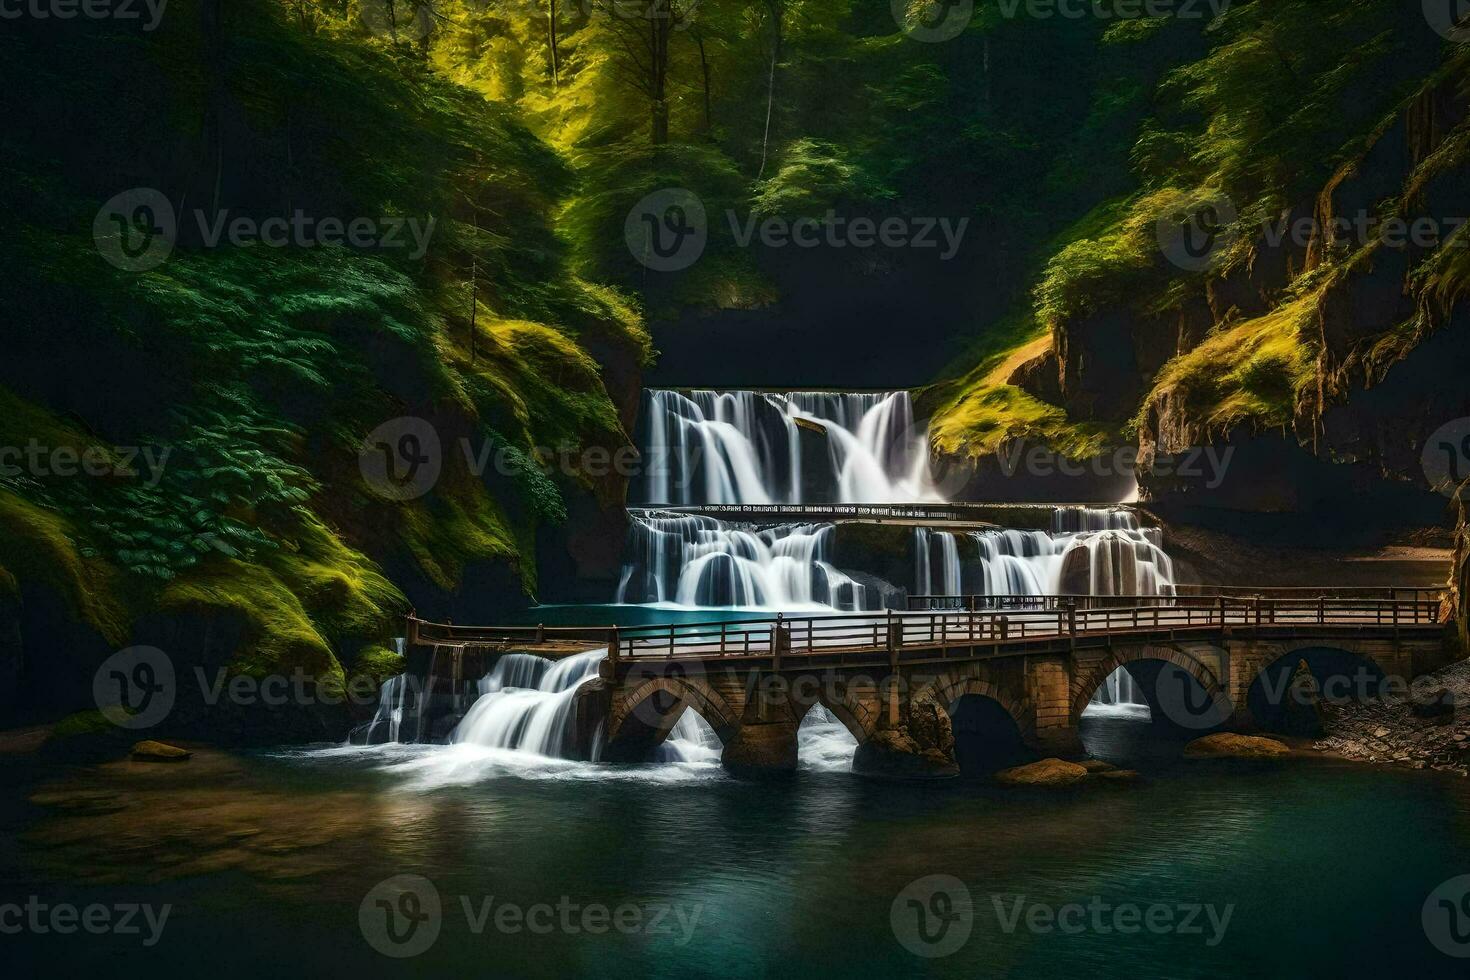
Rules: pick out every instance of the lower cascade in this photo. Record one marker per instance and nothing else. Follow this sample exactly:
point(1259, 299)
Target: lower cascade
point(1088, 552)
point(527, 704)
point(1118, 695)
point(699, 561)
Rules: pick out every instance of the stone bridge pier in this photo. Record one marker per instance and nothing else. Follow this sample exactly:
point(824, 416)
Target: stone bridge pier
point(903, 714)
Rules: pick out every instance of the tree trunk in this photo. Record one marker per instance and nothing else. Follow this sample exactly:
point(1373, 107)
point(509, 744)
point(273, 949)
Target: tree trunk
point(551, 37)
point(776, 15)
point(709, 121)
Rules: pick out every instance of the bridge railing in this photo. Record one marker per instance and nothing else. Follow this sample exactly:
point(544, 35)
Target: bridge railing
point(895, 631)
point(1009, 620)
point(1184, 595)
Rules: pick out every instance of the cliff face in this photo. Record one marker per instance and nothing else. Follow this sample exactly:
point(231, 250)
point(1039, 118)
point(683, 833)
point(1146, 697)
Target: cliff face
point(1311, 333)
point(257, 455)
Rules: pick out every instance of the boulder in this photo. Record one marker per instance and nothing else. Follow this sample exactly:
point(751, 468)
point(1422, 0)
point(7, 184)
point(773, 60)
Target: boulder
point(1047, 772)
point(150, 751)
point(1431, 701)
point(1119, 776)
point(894, 754)
point(1097, 765)
point(1226, 745)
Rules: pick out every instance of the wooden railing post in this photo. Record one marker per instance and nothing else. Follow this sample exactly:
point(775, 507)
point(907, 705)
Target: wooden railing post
point(777, 641)
point(1321, 609)
point(614, 648)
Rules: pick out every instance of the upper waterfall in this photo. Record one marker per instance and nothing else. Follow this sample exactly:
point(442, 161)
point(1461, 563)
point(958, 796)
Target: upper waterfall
point(749, 447)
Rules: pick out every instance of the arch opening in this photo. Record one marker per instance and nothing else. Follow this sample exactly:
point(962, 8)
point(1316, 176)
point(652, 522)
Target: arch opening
point(823, 742)
point(986, 737)
point(666, 725)
point(1288, 694)
point(1119, 696)
point(1158, 708)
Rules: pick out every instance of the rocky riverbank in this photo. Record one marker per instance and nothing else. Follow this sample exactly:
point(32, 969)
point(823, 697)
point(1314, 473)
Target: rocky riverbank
point(1423, 730)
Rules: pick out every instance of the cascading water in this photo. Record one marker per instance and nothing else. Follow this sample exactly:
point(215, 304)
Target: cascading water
point(688, 560)
point(527, 704)
point(529, 719)
point(1119, 696)
point(748, 447)
point(1089, 551)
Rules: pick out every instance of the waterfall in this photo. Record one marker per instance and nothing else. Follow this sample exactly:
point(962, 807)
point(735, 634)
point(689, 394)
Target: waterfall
point(527, 704)
point(1089, 551)
point(396, 698)
point(936, 552)
point(699, 561)
point(535, 719)
point(748, 447)
point(1118, 696)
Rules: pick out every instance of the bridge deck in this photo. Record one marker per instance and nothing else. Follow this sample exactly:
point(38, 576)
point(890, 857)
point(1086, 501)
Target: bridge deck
point(1011, 626)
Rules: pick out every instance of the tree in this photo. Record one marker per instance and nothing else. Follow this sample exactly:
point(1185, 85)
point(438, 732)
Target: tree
point(642, 32)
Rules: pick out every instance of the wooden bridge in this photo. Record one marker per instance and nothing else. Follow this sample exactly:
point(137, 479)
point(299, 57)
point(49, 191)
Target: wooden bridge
point(972, 515)
point(889, 676)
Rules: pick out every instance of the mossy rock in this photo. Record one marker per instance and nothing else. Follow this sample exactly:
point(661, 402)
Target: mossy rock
point(1097, 766)
point(1227, 745)
point(1047, 772)
point(1119, 777)
point(151, 751)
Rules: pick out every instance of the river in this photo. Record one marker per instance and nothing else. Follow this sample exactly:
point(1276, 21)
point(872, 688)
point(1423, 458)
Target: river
point(498, 853)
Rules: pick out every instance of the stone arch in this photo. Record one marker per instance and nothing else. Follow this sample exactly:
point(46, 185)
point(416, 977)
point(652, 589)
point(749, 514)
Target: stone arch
point(948, 688)
point(1273, 665)
point(642, 716)
point(1085, 683)
point(860, 726)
